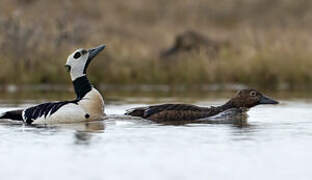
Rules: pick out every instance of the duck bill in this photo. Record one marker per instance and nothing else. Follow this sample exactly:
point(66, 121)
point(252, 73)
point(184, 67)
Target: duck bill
point(92, 53)
point(95, 51)
point(267, 100)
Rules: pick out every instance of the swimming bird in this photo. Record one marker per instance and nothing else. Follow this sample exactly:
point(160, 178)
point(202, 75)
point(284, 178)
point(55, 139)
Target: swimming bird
point(244, 99)
point(88, 105)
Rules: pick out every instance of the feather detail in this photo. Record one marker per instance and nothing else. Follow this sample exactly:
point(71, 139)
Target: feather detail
point(43, 110)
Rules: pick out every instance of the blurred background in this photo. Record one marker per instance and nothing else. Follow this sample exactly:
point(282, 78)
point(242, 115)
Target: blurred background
point(159, 44)
point(159, 51)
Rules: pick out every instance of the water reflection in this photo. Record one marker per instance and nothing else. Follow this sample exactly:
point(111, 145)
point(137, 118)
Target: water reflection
point(82, 138)
point(243, 133)
point(97, 126)
point(270, 137)
point(84, 131)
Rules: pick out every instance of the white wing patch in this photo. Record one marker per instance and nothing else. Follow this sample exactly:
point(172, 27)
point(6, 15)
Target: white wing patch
point(69, 113)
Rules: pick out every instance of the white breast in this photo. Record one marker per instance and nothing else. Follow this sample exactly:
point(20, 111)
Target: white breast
point(93, 104)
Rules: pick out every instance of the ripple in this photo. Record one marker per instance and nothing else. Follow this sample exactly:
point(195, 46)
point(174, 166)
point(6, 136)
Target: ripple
point(274, 142)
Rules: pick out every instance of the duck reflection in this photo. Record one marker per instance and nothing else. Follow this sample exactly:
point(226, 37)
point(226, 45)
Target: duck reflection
point(82, 137)
point(84, 131)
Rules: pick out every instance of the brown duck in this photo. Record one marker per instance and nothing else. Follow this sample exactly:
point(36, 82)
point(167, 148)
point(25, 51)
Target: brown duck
point(244, 99)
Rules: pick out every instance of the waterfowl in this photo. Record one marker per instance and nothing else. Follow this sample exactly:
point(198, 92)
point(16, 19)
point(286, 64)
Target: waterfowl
point(88, 105)
point(244, 99)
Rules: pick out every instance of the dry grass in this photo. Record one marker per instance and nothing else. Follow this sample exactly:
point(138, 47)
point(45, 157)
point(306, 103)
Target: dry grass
point(269, 41)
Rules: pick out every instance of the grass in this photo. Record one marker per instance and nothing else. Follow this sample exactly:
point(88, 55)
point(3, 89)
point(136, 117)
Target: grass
point(269, 44)
point(264, 69)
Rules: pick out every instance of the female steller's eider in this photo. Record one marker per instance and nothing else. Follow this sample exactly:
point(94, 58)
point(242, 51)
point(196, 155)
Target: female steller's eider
point(88, 106)
point(244, 99)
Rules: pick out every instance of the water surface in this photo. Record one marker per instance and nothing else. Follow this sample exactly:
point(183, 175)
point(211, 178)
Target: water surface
point(275, 143)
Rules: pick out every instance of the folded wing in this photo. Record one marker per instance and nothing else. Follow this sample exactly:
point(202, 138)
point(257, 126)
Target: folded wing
point(170, 112)
point(48, 112)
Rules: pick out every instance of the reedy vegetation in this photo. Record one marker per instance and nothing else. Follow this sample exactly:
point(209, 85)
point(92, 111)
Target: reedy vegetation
point(270, 42)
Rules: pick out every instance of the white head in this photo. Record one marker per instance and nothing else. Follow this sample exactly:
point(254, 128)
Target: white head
point(78, 62)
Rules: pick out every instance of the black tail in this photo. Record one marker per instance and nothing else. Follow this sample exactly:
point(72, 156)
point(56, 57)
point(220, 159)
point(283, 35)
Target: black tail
point(13, 115)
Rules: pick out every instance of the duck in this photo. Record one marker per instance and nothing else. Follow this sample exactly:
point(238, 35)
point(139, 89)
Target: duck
point(88, 105)
point(240, 103)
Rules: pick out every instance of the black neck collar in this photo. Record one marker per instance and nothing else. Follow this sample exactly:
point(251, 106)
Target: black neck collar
point(82, 86)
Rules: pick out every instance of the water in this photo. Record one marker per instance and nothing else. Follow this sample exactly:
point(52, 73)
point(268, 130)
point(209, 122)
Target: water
point(275, 143)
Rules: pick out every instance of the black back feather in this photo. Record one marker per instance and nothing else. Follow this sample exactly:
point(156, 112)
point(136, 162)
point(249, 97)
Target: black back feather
point(35, 112)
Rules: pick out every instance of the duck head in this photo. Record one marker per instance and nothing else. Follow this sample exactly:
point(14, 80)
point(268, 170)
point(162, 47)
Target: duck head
point(78, 62)
point(248, 98)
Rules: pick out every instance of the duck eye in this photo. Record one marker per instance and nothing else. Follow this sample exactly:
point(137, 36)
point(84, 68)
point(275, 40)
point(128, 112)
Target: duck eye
point(253, 93)
point(77, 55)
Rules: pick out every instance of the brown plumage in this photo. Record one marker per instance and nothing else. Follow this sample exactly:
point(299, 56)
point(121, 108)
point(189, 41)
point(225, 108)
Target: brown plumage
point(246, 98)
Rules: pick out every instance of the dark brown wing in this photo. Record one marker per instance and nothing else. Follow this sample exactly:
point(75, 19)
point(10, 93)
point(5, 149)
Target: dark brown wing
point(170, 112)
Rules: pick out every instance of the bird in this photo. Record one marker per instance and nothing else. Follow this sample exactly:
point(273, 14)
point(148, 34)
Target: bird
point(241, 102)
point(88, 105)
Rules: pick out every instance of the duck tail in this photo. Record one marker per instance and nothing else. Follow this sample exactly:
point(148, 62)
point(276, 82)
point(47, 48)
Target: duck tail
point(136, 112)
point(13, 115)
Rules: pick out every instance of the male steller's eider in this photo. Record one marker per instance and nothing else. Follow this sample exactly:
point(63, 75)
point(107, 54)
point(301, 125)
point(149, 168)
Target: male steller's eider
point(88, 106)
point(244, 99)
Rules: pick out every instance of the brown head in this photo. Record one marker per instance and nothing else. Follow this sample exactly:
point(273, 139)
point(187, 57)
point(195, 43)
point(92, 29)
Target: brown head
point(249, 98)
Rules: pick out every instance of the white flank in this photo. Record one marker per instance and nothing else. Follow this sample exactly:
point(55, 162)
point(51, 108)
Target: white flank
point(92, 104)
